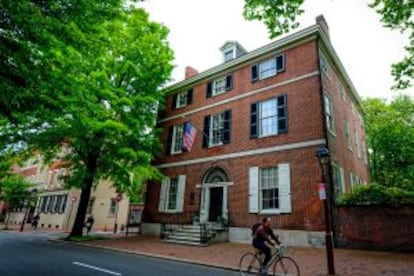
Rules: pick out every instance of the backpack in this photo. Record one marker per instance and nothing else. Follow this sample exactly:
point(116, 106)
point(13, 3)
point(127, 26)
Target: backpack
point(254, 228)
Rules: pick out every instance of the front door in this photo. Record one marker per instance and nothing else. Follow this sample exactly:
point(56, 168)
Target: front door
point(216, 204)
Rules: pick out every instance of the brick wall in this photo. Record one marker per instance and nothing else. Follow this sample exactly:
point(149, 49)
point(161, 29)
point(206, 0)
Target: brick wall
point(375, 227)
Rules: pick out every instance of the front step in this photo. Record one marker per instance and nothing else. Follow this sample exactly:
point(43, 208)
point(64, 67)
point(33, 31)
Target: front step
point(189, 234)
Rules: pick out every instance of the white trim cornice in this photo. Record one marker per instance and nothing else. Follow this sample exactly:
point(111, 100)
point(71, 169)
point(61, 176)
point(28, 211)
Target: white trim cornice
point(246, 153)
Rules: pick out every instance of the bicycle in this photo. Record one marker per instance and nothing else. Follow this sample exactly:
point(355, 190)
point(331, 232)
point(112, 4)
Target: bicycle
point(279, 264)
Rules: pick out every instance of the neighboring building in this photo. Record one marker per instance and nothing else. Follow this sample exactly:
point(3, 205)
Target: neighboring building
point(57, 206)
point(260, 117)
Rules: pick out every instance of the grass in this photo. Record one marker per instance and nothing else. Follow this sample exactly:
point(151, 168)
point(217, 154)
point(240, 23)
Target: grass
point(84, 238)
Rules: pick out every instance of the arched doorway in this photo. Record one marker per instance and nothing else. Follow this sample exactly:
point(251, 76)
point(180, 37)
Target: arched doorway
point(214, 190)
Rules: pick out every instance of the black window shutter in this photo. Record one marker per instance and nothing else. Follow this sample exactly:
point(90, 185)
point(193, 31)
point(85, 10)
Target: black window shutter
point(169, 140)
point(174, 102)
point(227, 127)
point(254, 120)
point(229, 82)
point(255, 72)
point(280, 63)
point(282, 113)
point(190, 96)
point(206, 131)
point(209, 92)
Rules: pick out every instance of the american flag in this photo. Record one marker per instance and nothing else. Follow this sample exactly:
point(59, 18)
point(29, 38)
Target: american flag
point(189, 136)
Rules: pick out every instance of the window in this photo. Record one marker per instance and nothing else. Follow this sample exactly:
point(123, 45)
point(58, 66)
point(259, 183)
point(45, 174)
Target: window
point(324, 64)
point(364, 152)
point(357, 148)
point(57, 204)
point(218, 129)
point(50, 204)
point(269, 189)
point(268, 68)
point(342, 91)
point(229, 54)
point(43, 204)
point(182, 99)
point(348, 135)
point(353, 180)
point(330, 124)
point(268, 117)
point(219, 86)
point(112, 207)
point(172, 195)
point(62, 206)
point(338, 178)
point(177, 139)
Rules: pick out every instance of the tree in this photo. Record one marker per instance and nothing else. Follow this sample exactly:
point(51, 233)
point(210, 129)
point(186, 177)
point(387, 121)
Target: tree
point(390, 131)
point(15, 191)
point(280, 16)
point(97, 109)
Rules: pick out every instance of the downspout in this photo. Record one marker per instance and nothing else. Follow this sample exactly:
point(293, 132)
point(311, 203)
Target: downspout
point(325, 134)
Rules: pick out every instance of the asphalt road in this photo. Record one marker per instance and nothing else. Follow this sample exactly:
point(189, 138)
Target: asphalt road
point(32, 254)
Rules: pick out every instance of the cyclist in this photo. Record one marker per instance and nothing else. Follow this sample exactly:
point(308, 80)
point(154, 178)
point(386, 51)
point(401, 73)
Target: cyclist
point(264, 239)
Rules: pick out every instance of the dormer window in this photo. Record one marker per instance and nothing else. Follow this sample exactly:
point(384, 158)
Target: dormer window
point(229, 54)
point(232, 50)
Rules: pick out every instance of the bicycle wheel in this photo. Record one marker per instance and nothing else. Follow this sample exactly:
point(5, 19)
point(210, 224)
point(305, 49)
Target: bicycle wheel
point(249, 264)
point(285, 266)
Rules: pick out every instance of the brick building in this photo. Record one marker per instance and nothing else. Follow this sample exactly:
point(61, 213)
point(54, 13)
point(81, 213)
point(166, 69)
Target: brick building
point(260, 117)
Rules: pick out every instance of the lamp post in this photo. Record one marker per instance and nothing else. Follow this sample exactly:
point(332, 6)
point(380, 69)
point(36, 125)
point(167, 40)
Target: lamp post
point(324, 157)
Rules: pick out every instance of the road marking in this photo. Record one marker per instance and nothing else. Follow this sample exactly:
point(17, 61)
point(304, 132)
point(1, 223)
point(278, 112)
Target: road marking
point(97, 268)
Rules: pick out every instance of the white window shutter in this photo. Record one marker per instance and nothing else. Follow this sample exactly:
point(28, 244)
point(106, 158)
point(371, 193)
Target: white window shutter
point(285, 202)
point(341, 171)
point(180, 193)
point(205, 193)
point(163, 194)
point(253, 189)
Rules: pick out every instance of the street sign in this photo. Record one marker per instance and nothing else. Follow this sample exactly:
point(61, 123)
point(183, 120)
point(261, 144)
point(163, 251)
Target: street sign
point(321, 191)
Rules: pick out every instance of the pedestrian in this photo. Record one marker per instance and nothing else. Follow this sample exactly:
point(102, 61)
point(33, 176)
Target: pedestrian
point(35, 221)
point(89, 224)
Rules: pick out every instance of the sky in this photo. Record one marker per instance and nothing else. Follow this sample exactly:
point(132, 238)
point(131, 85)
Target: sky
point(198, 28)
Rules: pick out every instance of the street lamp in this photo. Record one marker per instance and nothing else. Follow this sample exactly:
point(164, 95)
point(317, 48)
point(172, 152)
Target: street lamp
point(324, 157)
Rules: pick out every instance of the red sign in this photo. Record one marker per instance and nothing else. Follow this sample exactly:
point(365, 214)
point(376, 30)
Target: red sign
point(321, 191)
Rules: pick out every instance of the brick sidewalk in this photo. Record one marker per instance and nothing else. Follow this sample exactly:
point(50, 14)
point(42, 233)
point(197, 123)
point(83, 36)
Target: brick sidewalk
point(312, 261)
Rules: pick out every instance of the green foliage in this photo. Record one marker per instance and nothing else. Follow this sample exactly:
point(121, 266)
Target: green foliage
point(398, 15)
point(14, 189)
point(375, 194)
point(85, 238)
point(85, 75)
point(390, 132)
point(280, 16)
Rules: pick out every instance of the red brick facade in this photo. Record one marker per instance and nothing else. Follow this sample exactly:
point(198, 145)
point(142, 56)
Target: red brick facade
point(303, 85)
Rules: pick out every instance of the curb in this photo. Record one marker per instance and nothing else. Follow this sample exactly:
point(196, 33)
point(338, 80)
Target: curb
point(151, 255)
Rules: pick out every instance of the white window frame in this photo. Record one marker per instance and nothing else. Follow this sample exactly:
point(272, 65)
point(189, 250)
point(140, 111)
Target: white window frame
point(113, 205)
point(342, 91)
point(255, 190)
point(329, 113)
point(325, 68)
point(216, 129)
point(164, 204)
point(177, 139)
point(357, 146)
point(273, 117)
point(219, 86)
point(364, 151)
point(348, 135)
point(172, 195)
point(338, 174)
point(182, 99)
point(229, 54)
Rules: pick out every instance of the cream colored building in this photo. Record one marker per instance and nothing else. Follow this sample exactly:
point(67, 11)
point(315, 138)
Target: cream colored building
point(57, 206)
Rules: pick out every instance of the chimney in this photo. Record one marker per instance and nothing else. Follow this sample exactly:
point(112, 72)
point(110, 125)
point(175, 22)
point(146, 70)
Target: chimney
point(320, 20)
point(190, 72)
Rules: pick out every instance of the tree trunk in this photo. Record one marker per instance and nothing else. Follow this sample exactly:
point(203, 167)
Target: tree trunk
point(77, 229)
